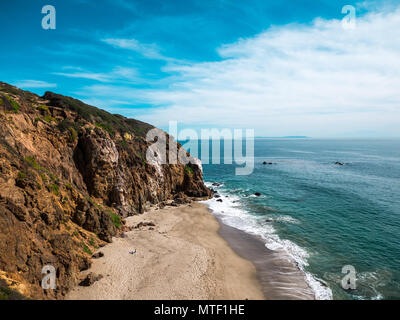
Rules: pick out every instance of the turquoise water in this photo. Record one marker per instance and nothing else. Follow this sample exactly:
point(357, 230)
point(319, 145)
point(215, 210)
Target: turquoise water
point(327, 216)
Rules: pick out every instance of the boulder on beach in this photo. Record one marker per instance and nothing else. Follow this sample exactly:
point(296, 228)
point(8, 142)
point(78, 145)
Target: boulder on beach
point(98, 255)
point(90, 279)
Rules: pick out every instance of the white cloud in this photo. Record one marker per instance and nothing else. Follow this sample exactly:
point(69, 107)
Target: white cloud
point(102, 77)
point(118, 74)
point(150, 51)
point(26, 84)
point(318, 80)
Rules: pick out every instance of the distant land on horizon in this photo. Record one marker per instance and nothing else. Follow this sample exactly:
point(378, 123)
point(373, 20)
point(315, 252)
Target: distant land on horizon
point(285, 137)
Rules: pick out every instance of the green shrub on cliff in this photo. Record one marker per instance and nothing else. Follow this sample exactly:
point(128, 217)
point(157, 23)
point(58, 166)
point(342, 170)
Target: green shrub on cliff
point(189, 171)
point(116, 219)
point(32, 161)
point(65, 124)
point(105, 126)
point(86, 249)
point(49, 119)
point(21, 175)
point(14, 104)
point(110, 122)
point(5, 293)
point(43, 108)
point(72, 134)
point(54, 188)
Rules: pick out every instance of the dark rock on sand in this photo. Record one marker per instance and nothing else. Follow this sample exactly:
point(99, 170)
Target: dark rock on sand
point(98, 255)
point(145, 224)
point(90, 279)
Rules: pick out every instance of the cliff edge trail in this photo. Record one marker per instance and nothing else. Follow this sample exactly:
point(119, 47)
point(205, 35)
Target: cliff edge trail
point(69, 175)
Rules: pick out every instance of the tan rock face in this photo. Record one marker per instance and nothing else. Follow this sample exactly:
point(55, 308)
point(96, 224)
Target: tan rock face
point(69, 173)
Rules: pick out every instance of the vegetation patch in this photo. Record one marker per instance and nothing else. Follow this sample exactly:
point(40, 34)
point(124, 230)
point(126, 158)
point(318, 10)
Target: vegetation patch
point(49, 119)
point(65, 124)
point(106, 127)
point(14, 104)
point(115, 218)
point(44, 177)
point(5, 293)
point(55, 188)
point(69, 187)
point(72, 134)
point(189, 171)
point(92, 242)
point(110, 122)
point(124, 144)
point(21, 175)
point(32, 161)
point(86, 249)
point(43, 108)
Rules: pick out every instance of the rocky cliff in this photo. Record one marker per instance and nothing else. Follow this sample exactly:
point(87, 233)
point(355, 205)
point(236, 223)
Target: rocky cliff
point(69, 174)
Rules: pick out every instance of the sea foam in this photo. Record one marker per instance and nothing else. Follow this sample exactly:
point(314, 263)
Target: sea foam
point(231, 212)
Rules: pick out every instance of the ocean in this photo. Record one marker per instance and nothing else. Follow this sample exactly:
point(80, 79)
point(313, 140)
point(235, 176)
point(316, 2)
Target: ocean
point(322, 214)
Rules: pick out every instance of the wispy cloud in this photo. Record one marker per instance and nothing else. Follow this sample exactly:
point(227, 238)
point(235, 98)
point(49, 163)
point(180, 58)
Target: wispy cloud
point(118, 74)
point(29, 84)
point(150, 51)
point(85, 75)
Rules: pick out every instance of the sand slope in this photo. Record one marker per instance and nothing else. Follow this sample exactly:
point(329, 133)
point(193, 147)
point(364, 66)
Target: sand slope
point(183, 257)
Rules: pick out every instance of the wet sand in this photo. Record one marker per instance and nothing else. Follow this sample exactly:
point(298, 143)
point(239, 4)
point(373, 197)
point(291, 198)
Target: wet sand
point(181, 257)
point(278, 275)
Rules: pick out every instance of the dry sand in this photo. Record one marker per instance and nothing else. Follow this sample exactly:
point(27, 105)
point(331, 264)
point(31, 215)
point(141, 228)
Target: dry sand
point(181, 257)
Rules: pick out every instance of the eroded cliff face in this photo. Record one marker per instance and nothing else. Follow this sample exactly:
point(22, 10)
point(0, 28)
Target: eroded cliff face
point(69, 174)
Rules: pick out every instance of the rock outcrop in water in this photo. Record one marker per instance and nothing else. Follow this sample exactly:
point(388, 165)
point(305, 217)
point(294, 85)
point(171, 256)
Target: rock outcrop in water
point(69, 174)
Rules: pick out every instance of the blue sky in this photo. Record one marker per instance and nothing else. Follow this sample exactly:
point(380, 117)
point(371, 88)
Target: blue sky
point(282, 67)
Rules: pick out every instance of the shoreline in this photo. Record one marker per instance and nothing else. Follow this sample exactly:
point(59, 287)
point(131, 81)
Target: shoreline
point(279, 263)
point(172, 253)
point(279, 277)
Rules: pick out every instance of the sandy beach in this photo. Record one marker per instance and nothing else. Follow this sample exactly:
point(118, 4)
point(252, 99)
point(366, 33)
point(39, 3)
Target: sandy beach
point(181, 257)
